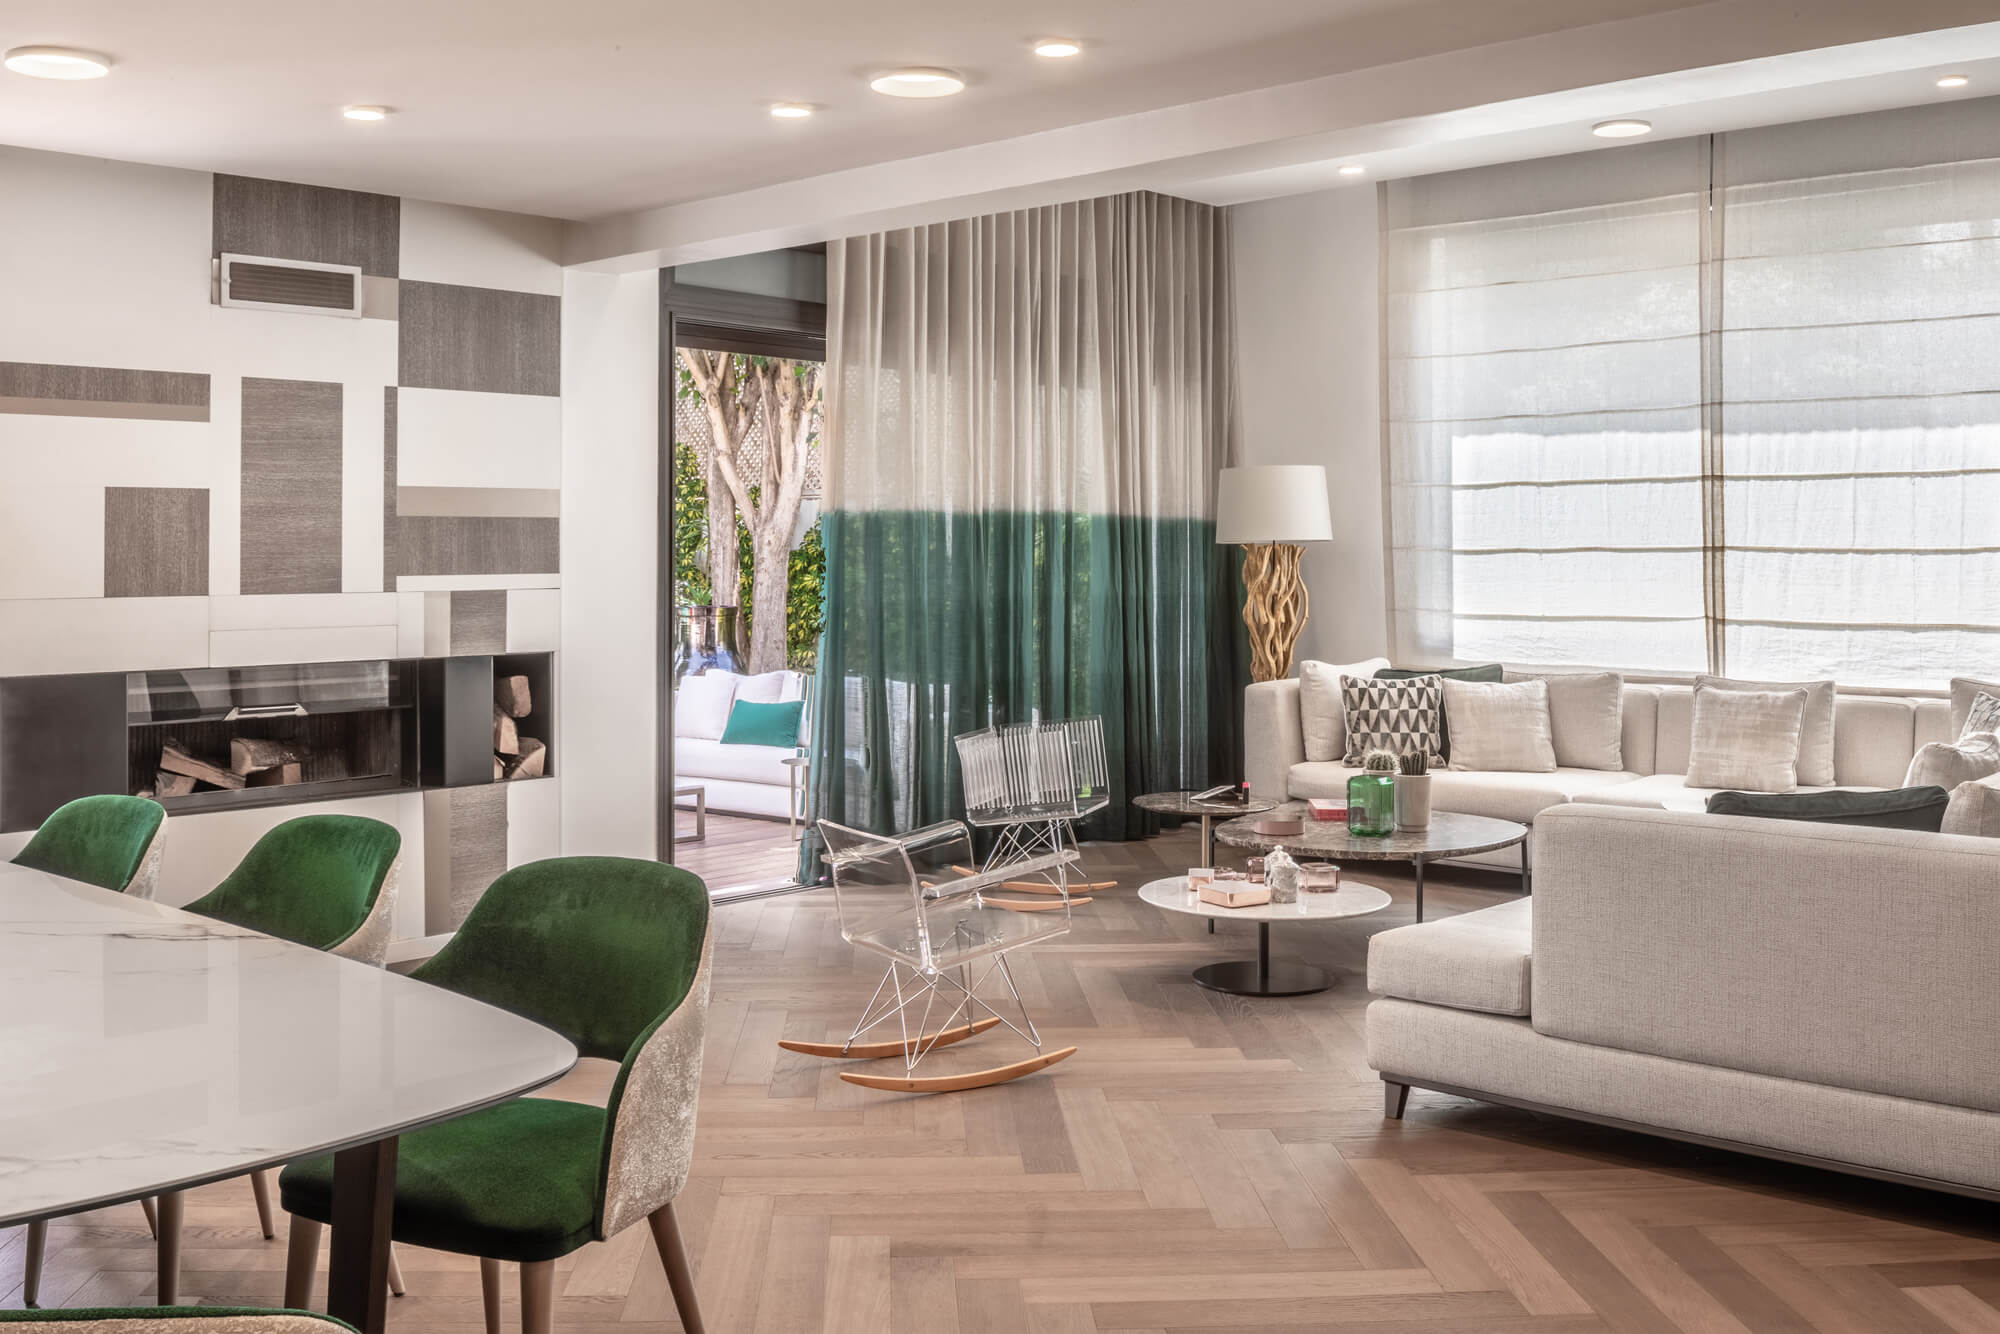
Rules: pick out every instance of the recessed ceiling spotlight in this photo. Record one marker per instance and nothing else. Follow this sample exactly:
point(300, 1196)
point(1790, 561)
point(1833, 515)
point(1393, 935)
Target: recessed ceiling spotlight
point(1352, 169)
point(790, 110)
point(919, 81)
point(1953, 81)
point(1621, 129)
point(58, 62)
point(1058, 48)
point(365, 113)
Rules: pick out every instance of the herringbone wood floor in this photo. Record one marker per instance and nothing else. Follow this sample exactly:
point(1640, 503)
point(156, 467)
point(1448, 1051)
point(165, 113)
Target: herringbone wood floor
point(1202, 1163)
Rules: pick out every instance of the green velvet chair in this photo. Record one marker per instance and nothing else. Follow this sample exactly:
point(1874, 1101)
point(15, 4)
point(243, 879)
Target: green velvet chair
point(326, 881)
point(171, 1320)
point(613, 954)
point(112, 842)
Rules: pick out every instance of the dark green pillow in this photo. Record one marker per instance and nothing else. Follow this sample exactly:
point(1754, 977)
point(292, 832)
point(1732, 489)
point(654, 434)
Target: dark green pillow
point(1491, 671)
point(754, 724)
point(1898, 808)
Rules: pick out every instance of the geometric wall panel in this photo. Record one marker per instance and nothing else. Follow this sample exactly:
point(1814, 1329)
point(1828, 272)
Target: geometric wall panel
point(389, 406)
point(460, 438)
point(479, 338)
point(155, 541)
point(479, 621)
point(284, 220)
point(102, 391)
point(460, 545)
point(291, 479)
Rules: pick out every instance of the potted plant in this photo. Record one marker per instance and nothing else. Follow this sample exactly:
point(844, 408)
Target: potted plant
point(1413, 791)
point(1371, 796)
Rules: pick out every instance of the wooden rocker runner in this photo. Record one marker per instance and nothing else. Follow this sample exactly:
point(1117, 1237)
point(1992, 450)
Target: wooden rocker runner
point(944, 940)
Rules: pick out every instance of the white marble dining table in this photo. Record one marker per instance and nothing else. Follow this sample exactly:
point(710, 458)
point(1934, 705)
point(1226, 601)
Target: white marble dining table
point(144, 1050)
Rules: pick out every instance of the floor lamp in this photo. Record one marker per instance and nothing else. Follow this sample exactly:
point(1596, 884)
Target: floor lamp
point(1270, 511)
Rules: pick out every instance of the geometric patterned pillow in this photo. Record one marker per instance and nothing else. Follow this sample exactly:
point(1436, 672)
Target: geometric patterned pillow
point(1984, 716)
point(1399, 716)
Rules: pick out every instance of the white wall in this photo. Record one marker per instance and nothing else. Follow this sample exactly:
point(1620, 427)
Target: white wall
point(610, 555)
point(1308, 345)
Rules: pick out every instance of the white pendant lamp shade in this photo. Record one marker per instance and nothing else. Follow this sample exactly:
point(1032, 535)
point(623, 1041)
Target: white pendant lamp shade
point(1275, 503)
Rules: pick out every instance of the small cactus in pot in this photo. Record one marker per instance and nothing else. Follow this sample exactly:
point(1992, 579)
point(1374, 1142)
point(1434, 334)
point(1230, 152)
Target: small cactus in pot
point(1413, 791)
point(1371, 796)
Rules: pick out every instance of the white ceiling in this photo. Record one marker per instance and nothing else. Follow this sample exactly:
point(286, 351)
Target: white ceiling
point(587, 107)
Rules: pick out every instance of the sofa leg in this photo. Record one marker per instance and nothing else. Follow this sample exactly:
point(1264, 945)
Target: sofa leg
point(1394, 1098)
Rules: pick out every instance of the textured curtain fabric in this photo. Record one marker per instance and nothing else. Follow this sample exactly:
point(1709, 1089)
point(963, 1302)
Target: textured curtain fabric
point(1728, 403)
point(1026, 413)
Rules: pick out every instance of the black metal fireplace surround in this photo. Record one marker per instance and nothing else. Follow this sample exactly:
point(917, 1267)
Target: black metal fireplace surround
point(227, 738)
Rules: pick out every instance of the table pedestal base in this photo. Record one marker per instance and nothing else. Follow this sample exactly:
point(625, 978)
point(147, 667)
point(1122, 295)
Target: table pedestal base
point(1247, 977)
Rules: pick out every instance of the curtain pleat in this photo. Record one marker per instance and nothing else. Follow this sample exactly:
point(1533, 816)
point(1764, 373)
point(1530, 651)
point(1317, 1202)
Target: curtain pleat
point(1026, 414)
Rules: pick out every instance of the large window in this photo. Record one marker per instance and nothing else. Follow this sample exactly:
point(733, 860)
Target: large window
point(1728, 403)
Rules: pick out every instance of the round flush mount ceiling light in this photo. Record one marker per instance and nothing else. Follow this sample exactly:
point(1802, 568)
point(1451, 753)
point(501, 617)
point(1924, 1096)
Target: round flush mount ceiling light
point(1058, 48)
point(1352, 169)
point(1953, 81)
point(919, 81)
point(365, 112)
point(1621, 129)
point(790, 110)
point(58, 62)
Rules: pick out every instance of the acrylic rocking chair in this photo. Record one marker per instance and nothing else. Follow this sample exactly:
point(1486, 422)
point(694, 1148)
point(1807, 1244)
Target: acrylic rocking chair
point(909, 900)
point(1033, 782)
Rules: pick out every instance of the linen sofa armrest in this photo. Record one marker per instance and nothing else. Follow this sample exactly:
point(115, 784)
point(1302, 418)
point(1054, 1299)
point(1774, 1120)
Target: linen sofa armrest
point(1844, 955)
point(1273, 737)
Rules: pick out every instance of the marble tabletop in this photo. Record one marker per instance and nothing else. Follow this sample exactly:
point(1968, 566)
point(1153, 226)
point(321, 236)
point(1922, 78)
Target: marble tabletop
point(1350, 900)
point(1184, 803)
point(1449, 835)
point(148, 1049)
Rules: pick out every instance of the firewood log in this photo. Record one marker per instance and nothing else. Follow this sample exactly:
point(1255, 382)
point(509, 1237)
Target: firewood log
point(291, 771)
point(249, 755)
point(506, 738)
point(510, 695)
point(532, 760)
point(171, 785)
point(176, 760)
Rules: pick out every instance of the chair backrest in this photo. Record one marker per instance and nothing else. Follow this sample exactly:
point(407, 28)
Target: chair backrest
point(875, 882)
point(613, 953)
point(1027, 767)
point(319, 880)
point(110, 841)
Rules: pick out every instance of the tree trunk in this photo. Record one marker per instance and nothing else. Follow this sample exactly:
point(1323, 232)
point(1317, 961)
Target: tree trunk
point(725, 562)
point(769, 585)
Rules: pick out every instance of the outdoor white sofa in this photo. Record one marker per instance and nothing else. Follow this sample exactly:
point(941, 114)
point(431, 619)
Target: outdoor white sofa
point(743, 780)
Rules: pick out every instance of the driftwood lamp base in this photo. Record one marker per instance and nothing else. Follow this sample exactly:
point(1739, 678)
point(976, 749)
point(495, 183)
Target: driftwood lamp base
point(1275, 610)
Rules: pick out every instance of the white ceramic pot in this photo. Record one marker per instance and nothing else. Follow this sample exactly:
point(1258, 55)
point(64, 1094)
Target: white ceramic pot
point(1413, 801)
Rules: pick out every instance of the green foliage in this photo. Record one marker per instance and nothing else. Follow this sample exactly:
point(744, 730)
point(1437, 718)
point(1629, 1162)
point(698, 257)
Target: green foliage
point(805, 603)
point(691, 588)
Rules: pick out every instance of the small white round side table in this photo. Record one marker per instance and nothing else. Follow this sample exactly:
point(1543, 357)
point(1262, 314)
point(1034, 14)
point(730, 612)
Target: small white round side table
point(1259, 976)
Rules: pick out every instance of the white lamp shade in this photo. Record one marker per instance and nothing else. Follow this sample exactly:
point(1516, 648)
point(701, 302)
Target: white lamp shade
point(1275, 503)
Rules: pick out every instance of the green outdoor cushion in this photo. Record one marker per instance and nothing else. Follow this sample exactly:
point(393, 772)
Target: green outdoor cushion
point(597, 948)
point(1899, 808)
point(754, 724)
point(98, 840)
point(310, 881)
point(1491, 671)
point(512, 1182)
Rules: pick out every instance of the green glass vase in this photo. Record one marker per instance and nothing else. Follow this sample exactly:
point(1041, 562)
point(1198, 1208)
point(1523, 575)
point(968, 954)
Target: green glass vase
point(1371, 805)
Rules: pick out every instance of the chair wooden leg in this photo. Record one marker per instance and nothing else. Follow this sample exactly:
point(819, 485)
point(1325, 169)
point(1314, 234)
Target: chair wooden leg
point(673, 1257)
point(152, 1217)
point(301, 1258)
point(260, 1186)
point(395, 1273)
point(1394, 1098)
point(489, 1293)
point(31, 1278)
point(538, 1297)
point(170, 1247)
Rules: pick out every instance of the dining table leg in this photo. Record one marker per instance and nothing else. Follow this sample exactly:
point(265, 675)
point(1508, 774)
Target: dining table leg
point(168, 1252)
point(364, 1199)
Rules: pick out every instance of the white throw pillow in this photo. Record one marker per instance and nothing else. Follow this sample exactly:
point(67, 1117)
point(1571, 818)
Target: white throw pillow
point(767, 688)
point(702, 704)
point(1746, 740)
point(1816, 735)
point(1946, 764)
point(1586, 717)
point(1974, 810)
point(1499, 727)
point(1321, 713)
point(1965, 692)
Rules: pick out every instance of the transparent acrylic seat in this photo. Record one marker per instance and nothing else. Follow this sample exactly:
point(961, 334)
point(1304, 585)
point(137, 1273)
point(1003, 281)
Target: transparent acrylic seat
point(1033, 781)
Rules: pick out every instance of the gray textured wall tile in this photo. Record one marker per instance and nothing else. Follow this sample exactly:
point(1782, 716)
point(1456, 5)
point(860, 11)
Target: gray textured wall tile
point(434, 544)
point(389, 490)
point(155, 542)
point(291, 486)
point(479, 621)
point(102, 391)
point(478, 845)
point(479, 338)
point(283, 220)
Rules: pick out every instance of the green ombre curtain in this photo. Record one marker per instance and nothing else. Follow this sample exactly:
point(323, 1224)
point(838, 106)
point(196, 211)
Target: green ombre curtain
point(1025, 415)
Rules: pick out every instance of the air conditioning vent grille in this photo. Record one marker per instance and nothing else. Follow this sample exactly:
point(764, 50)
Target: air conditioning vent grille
point(274, 284)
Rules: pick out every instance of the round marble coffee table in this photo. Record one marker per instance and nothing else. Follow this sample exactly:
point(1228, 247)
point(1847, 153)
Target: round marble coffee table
point(1259, 976)
point(1184, 805)
point(1449, 835)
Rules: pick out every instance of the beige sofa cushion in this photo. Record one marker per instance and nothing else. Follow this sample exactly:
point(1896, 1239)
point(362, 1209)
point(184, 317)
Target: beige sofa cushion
point(1502, 796)
point(1873, 739)
point(1586, 717)
point(1474, 961)
point(1974, 810)
point(1815, 764)
point(1322, 716)
point(1747, 740)
point(1499, 727)
point(1947, 764)
point(1669, 792)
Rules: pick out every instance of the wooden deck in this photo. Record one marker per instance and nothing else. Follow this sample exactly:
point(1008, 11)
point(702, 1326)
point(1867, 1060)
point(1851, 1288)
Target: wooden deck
point(739, 850)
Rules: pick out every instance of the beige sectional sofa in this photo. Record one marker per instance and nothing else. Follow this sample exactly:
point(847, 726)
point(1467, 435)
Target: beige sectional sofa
point(1811, 992)
point(1875, 737)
